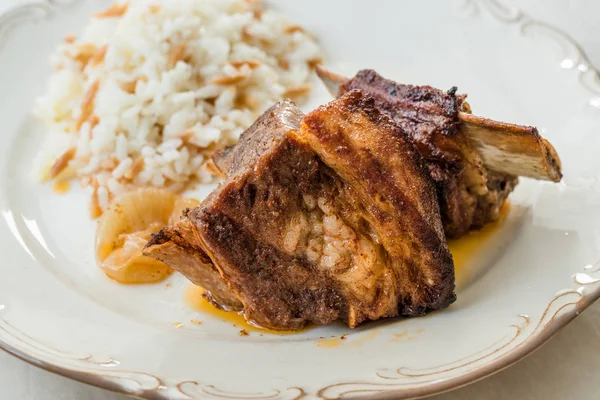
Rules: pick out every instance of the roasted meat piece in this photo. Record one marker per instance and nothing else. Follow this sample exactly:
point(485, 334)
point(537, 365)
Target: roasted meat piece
point(332, 218)
point(430, 117)
point(180, 247)
point(503, 147)
point(474, 161)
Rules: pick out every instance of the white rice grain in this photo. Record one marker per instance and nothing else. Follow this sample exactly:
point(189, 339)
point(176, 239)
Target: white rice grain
point(122, 168)
point(103, 197)
point(121, 147)
point(162, 71)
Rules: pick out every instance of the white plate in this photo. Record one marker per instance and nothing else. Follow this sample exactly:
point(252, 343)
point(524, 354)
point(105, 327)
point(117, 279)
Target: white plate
point(58, 311)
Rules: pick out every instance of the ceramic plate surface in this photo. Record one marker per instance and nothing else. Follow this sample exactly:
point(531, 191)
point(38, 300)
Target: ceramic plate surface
point(59, 311)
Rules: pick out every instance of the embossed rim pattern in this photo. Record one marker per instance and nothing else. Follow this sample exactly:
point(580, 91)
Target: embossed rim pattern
point(562, 309)
point(575, 57)
point(546, 328)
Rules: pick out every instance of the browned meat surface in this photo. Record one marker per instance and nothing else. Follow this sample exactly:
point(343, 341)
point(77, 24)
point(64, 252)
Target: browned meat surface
point(505, 148)
point(179, 246)
point(256, 140)
point(488, 208)
point(468, 198)
point(334, 218)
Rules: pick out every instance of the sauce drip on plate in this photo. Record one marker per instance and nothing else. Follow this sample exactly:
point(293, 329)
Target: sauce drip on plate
point(194, 299)
point(61, 187)
point(464, 249)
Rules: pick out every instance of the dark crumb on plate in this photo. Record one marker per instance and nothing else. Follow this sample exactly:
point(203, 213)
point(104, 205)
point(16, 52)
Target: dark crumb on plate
point(343, 337)
point(244, 332)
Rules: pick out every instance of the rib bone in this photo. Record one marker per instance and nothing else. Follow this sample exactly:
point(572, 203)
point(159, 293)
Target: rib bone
point(505, 148)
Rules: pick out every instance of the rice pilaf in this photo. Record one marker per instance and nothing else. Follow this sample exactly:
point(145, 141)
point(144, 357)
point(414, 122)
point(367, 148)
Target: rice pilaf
point(151, 88)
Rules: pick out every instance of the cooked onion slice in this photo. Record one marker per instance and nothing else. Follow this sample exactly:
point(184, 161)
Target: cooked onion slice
point(125, 228)
point(181, 204)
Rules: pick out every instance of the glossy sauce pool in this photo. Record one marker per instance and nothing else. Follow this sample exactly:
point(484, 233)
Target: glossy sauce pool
point(465, 249)
point(462, 250)
point(61, 187)
point(194, 299)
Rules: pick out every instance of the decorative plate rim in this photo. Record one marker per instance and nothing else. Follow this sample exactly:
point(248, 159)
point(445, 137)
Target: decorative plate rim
point(555, 322)
point(551, 322)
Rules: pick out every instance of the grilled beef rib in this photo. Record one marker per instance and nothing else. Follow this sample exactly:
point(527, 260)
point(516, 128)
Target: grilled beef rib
point(334, 217)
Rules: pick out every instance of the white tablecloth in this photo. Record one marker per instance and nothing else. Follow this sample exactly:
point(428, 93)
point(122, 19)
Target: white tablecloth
point(565, 368)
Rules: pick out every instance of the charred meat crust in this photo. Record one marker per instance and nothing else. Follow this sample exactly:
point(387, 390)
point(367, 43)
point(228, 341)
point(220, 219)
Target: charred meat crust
point(258, 138)
point(242, 224)
point(335, 218)
point(384, 165)
point(178, 247)
point(431, 119)
point(362, 164)
point(425, 107)
point(488, 209)
point(428, 115)
point(278, 291)
point(514, 150)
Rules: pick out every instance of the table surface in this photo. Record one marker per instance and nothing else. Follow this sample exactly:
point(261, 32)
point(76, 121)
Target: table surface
point(540, 376)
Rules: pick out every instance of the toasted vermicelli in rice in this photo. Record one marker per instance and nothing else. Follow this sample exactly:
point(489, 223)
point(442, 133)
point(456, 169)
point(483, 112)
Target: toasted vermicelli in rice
point(152, 87)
